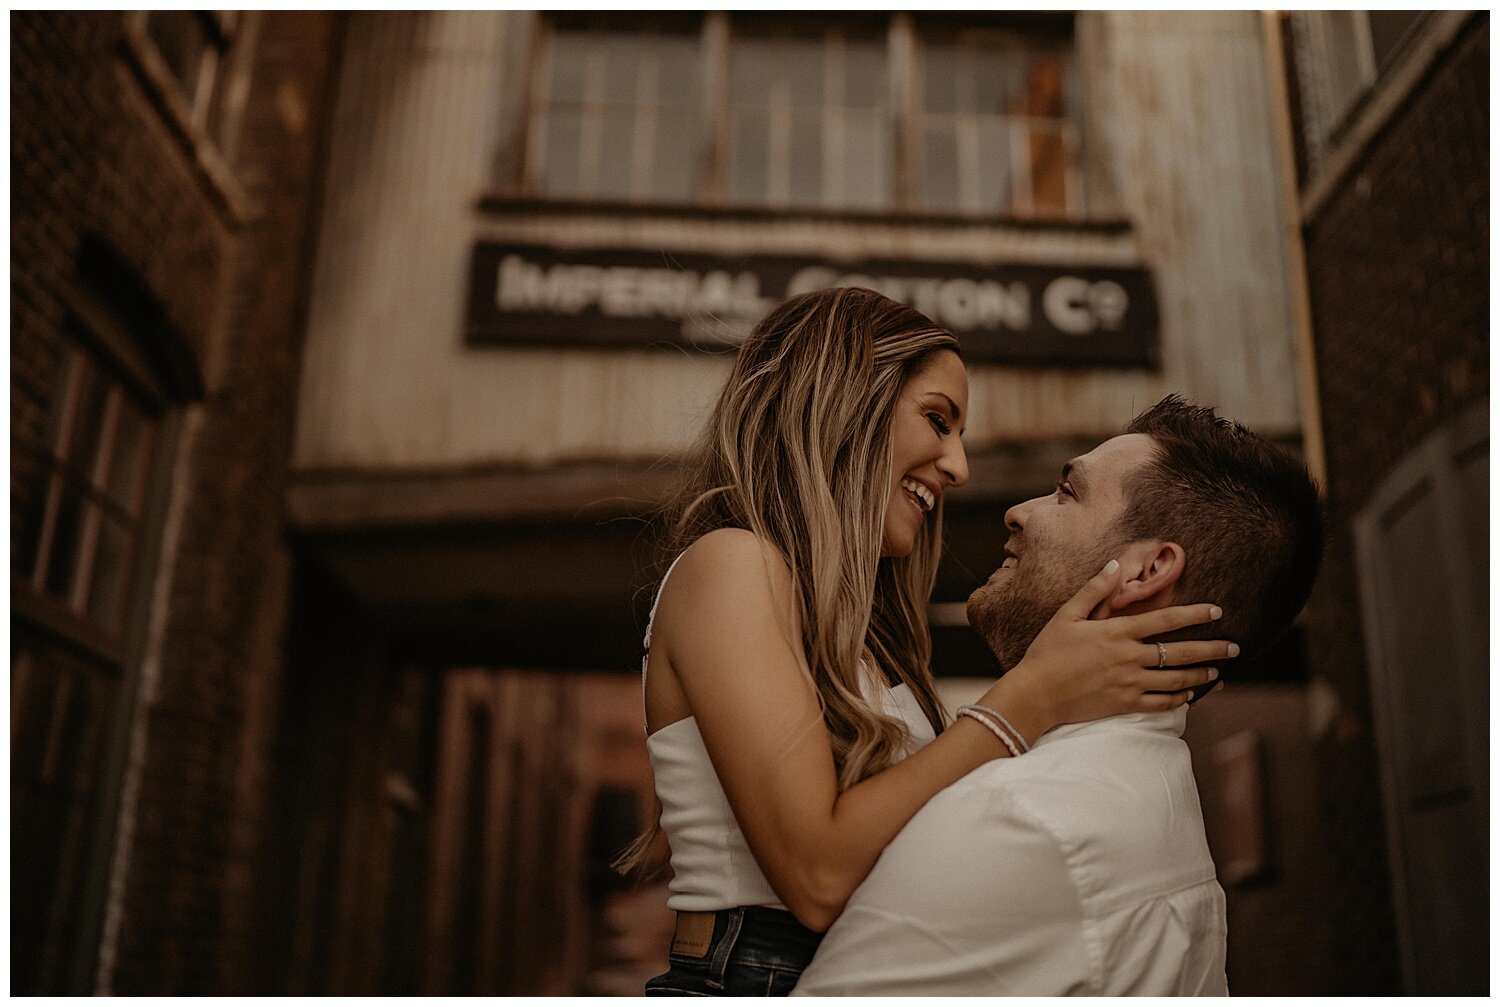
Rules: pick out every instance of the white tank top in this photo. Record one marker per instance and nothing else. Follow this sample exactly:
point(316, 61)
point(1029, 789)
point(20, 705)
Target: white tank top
point(712, 867)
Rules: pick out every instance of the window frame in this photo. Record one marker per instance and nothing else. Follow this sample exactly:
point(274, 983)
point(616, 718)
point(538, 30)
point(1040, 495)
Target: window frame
point(92, 342)
point(209, 151)
point(904, 51)
point(1331, 108)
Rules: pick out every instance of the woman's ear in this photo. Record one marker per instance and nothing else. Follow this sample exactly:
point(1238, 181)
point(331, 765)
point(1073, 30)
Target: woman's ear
point(1151, 580)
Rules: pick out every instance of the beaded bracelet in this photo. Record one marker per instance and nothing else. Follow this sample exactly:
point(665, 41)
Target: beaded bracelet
point(1020, 738)
point(995, 729)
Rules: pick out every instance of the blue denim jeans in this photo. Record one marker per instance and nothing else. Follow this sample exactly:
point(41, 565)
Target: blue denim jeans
point(754, 951)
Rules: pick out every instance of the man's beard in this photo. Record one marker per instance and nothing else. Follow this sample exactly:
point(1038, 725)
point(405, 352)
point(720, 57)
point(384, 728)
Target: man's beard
point(1009, 611)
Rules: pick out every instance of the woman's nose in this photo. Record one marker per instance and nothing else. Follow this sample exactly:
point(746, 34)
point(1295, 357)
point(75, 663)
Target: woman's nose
point(955, 463)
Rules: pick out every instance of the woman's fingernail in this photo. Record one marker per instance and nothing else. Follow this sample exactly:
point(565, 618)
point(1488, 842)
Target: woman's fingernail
point(1218, 688)
point(1114, 565)
point(1213, 673)
point(1216, 613)
point(1234, 650)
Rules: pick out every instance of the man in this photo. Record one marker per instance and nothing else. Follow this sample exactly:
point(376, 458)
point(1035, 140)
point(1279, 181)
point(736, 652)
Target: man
point(1081, 866)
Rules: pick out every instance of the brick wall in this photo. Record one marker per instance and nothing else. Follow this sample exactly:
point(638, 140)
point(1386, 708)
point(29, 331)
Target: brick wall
point(1398, 270)
point(95, 152)
point(88, 151)
point(203, 803)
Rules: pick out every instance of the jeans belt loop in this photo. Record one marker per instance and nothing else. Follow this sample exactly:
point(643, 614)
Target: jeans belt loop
point(735, 920)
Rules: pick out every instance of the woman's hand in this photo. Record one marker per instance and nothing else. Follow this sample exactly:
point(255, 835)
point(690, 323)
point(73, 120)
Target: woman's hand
point(1078, 669)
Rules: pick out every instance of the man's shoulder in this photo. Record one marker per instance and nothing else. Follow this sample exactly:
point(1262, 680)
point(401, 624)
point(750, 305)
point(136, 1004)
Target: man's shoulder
point(1116, 750)
point(1111, 797)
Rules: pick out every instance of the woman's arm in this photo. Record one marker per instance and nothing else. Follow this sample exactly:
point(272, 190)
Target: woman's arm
point(728, 628)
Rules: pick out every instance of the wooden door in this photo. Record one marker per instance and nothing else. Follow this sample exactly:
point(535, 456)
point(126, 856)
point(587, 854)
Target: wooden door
point(1422, 546)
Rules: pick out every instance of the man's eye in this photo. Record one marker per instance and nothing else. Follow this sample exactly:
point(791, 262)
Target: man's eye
point(940, 423)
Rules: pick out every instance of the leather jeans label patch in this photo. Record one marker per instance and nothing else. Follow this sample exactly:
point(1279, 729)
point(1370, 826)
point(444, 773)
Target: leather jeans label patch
point(695, 933)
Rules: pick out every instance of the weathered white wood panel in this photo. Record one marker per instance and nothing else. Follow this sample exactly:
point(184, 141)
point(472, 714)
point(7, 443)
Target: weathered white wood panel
point(1185, 123)
point(427, 100)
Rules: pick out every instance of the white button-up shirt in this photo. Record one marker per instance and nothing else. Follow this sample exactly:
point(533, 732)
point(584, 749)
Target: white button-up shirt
point(1078, 868)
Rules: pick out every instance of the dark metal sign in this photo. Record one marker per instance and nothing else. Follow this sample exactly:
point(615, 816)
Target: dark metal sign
point(535, 295)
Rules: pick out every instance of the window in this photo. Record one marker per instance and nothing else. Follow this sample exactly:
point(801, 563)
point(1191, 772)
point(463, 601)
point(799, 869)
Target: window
point(195, 66)
point(997, 130)
point(620, 112)
point(75, 551)
point(1340, 55)
point(807, 119)
point(78, 545)
point(861, 112)
point(193, 45)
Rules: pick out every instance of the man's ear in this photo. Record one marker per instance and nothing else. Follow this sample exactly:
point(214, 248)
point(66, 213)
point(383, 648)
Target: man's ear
point(1152, 570)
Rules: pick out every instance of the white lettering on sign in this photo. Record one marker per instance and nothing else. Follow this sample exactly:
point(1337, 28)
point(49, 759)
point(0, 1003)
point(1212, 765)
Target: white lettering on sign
point(626, 291)
point(1078, 307)
point(960, 304)
point(1070, 304)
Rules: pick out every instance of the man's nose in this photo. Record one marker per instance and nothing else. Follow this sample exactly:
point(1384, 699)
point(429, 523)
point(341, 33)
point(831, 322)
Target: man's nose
point(1015, 518)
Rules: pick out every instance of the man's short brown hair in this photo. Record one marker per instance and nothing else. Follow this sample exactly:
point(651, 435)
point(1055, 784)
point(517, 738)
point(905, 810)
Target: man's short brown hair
point(1245, 511)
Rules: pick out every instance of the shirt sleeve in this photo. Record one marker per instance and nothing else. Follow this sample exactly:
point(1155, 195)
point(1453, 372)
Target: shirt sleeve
point(973, 897)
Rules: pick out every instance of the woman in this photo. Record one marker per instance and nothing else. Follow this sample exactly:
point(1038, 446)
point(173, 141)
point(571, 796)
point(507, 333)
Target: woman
point(793, 724)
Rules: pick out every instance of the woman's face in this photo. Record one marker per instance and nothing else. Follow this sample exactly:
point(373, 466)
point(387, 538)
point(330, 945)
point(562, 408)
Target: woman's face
point(927, 456)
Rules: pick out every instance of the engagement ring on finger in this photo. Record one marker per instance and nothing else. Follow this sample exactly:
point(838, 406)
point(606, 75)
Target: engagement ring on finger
point(1161, 655)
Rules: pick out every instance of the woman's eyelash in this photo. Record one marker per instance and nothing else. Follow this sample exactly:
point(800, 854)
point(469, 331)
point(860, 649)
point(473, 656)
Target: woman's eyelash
point(940, 423)
point(1065, 489)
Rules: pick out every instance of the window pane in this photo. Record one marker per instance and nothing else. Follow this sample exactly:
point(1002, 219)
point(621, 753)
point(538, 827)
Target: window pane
point(996, 183)
point(1348, 69)
point(997, 84)
point(618, 153)
point(622, 115)
point(623, 55)
point(58, 408)
point(88, 420)
point(799, 68)
point(866, 84)
point(63, 563)
point(998, 127)
point(807, 161)
point(1388, 31)
point(676, 167)
point(867, 160)
point(565, 83)
point(940, 79)
point(28, 536)
point(111, 563)
point(750, 152)
point(751, 70)
point(677, 69)
point(940, 168)
point(560, 159)
point(180, 37)
point(127, 467)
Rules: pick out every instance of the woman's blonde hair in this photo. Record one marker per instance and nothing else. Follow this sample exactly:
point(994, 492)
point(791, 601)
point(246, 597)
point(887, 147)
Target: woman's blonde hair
point(798, 451)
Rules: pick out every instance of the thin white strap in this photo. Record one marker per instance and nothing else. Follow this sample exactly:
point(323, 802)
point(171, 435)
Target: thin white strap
point(650, 619)
point(657, 601)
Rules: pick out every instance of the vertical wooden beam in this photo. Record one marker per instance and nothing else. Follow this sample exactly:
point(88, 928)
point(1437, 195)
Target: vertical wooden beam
point(713, 179)
point(903, 105)
point(1309, 401)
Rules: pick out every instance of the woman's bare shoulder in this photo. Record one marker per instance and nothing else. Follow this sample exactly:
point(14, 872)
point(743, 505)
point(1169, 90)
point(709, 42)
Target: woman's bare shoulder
point(729, 573)
point(733, 551)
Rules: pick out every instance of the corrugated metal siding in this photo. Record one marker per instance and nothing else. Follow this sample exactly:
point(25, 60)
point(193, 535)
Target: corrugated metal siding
point(389, 384)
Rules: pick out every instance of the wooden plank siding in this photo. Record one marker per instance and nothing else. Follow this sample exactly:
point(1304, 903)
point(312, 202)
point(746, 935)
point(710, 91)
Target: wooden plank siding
point(426, 121)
